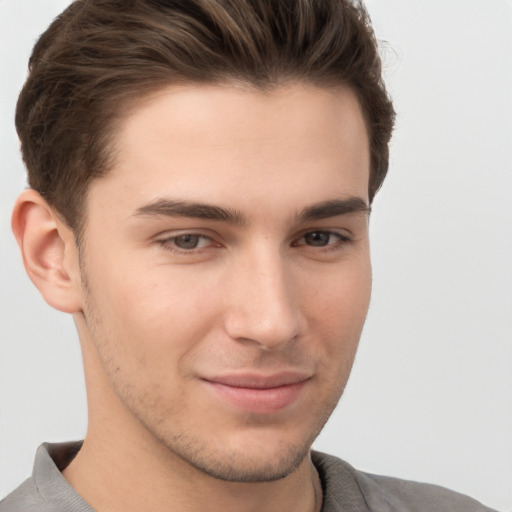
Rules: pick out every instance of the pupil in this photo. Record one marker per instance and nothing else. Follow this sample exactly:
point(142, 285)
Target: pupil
point(317, 238)
point(187, 241)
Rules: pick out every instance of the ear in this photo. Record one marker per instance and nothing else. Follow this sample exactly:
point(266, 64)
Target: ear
point(49, 252)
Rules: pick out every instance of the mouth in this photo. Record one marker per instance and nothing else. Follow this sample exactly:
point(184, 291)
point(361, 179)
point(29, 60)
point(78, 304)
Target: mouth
point(261, 394)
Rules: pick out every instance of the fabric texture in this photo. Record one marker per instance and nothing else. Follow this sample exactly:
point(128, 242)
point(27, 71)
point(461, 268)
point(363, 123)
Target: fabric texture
point(345, 489)
point(349, 490)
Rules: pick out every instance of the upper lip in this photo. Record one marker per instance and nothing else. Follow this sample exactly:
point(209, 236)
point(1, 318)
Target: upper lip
point(260, 381)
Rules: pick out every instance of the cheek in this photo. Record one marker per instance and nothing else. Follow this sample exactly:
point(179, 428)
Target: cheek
point(337, 310)
point(151, 319)
point(341, 294)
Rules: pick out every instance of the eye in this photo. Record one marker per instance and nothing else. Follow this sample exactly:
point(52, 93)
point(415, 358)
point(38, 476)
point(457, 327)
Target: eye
point(318, 238)
point(322, 239)
point(186, 242)
point(189, 241)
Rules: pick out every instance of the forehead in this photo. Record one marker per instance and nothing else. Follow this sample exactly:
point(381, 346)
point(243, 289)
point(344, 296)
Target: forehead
point(210, 115)
point(232, 142)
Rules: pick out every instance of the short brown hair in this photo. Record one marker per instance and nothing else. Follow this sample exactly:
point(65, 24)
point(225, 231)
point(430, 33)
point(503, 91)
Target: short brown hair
point(100, 56)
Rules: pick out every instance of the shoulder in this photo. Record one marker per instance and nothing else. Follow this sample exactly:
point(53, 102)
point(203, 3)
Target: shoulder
point(47, 490)
point(25, 498)
point(387, 494)
point(398, 495)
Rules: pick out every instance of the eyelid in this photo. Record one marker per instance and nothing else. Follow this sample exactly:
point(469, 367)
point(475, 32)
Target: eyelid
point(168, 234)
point(165, 240)
point(341, 241)
point(341, 233)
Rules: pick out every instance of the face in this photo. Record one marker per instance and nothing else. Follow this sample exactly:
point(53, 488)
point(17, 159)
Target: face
point(226, 273)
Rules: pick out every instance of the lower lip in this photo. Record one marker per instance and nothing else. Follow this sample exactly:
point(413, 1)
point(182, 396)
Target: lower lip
point(261, 401)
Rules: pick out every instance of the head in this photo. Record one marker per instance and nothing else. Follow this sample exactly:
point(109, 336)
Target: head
point(202, 174)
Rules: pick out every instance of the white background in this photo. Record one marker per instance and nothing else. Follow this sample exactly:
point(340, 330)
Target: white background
point(430, 398)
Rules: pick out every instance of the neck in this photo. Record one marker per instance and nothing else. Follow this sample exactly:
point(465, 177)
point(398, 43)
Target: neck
point(119, 476)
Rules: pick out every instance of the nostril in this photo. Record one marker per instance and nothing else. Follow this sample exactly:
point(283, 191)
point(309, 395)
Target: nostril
point(268, 332)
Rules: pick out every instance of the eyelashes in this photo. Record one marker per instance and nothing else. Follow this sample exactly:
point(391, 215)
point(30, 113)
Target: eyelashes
point(189, 244)
point(322, 238)
point(189, 241)
point(196, 243)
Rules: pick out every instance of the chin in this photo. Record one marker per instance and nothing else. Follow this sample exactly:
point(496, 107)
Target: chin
point(244, 466)
point(256, 455)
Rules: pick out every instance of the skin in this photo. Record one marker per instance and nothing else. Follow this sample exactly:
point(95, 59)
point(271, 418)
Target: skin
point(167, 303)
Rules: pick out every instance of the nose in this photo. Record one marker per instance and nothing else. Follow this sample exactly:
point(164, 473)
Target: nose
point(262, 305)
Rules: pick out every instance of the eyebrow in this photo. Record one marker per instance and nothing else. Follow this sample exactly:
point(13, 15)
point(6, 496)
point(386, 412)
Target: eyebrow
point(170, 208)
point(333, 208)
point(323, 210)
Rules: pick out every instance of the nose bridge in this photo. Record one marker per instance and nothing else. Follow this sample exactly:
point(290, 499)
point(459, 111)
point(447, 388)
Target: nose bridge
point(263, 306)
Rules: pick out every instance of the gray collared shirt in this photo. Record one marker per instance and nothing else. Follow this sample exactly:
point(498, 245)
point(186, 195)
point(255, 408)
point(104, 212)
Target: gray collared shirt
point(344, 489)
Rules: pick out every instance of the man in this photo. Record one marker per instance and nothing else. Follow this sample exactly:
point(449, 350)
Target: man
point(201, 177)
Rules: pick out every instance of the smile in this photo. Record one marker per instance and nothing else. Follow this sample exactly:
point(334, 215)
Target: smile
point(259, 394)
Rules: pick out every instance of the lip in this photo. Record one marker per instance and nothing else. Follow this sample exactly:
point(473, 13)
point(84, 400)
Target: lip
point(256, 393)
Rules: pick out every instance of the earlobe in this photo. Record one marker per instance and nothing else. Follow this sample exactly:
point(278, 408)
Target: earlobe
point(49, 252)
